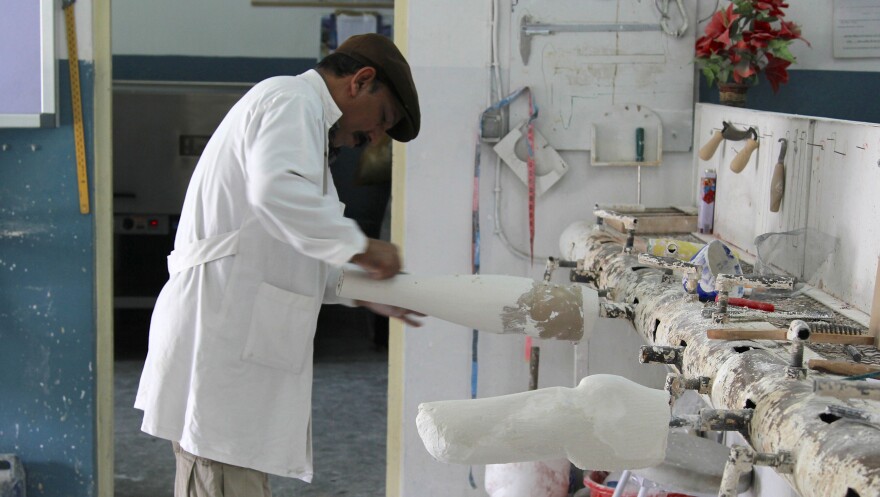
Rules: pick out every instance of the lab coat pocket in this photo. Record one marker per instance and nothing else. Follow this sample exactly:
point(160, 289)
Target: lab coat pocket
point(281, 329)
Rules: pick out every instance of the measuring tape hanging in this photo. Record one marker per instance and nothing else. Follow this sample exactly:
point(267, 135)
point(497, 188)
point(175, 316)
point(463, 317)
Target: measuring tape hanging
point(475, 224)
point(475, 210)
point(475, 206)
point(82, 179)
point(533, 113)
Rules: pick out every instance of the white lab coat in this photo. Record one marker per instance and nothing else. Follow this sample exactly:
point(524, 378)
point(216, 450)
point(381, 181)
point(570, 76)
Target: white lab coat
point(229, 368)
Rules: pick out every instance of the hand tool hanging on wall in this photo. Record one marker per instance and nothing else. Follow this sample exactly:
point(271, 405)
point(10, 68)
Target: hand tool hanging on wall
point(742, 157)
point(777, 183)
point(530, 169)
point(82, 180)
point(708, 148)
point(727, 132)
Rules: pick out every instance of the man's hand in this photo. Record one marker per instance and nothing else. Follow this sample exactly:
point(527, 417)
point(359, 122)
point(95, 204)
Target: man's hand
point(380, 259)
point(390, 311)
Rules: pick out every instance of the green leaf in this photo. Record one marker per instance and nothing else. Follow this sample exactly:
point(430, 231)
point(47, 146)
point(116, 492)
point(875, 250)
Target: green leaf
point(710, 76)
point(779, 48)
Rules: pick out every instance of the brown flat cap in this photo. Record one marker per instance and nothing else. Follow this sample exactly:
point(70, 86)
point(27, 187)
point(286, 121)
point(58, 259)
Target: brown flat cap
point(379, 52)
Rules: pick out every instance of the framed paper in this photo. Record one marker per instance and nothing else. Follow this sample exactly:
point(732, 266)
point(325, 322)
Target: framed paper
point(347, 4)
point(856, 28)
point(28, 74)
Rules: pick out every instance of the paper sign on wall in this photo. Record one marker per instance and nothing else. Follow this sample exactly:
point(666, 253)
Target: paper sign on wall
point(856, 28)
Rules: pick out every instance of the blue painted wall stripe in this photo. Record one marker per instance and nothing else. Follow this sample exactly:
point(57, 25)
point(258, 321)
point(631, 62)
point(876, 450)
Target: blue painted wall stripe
point(846, 95)
point(47, 303)
point(215, 69)
point(835, 94)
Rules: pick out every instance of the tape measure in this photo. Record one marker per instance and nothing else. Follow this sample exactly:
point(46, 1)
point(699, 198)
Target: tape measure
point(531, 172)
point(82, 178)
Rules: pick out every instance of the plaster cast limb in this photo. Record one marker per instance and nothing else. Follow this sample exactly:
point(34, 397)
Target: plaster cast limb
point(492, 303)
point(606, 423)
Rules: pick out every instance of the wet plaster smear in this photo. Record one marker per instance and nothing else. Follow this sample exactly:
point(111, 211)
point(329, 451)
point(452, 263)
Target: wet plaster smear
point(491, 303)
point(607, 422)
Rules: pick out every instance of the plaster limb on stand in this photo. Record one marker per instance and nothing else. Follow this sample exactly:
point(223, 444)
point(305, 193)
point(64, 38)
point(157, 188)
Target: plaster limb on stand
point(693, 465)
point(492, 303)
point(607, 422)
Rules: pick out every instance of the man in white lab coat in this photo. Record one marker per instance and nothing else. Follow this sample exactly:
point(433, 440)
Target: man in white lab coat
point(228, 375)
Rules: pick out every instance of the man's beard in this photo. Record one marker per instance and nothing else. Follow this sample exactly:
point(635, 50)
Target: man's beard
point(332, 152)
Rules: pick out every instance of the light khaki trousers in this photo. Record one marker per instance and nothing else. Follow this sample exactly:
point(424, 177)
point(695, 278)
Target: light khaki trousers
point(200, 477)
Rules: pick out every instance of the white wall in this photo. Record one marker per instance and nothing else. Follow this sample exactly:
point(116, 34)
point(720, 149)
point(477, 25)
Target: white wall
point(217, 28)
point(448, 50)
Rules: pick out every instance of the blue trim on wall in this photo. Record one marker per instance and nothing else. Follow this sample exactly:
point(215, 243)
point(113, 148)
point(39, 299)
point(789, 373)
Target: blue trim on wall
point(47, 303)
point(836, 94)
point(214, 69)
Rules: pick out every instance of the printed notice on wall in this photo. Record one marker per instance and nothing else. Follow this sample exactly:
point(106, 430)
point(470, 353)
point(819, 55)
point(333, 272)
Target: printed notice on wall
point(856, 28)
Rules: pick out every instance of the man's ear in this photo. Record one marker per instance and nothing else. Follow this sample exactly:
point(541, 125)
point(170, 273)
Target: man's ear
point(362, 79)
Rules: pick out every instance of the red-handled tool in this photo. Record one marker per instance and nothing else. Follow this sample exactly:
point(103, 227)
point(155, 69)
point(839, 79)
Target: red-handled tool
point(751, 304)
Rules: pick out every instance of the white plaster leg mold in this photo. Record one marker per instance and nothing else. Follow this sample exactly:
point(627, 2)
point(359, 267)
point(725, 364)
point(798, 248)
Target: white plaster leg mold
point(607, 422)
point(492, 303)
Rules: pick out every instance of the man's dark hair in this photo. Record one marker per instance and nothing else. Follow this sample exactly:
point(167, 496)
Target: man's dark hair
point(340, 64)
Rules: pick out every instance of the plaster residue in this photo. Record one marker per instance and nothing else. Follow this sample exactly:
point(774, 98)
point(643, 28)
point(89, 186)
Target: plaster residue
point(21, 229)
point(833, 457)
point(547, 311)
point(607, 422)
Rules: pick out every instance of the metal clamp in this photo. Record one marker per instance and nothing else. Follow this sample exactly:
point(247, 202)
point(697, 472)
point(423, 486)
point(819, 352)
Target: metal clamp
point(659, 354)
point(676, 384)
point(629, 224)
point(616, 310)
point(527, 29)
point(691, 271)
point(853, 414)
point(798, 334)
point(715, 420)
point(553, 264)
point(842, 389)
point(742, 459)
point(724, 283)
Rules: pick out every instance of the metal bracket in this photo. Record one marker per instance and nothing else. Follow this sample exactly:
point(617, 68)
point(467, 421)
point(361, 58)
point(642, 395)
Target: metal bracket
point(527, 29)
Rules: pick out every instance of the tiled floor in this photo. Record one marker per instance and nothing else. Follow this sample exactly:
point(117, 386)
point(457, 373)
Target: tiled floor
point(349, 415)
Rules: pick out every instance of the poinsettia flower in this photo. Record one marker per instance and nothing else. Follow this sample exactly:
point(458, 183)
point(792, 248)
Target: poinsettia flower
point(791, 31)
point(743, 71)
point(773, 6)
point(718, 27)
point(776, 71)
point(707, 47)
point(746, 38)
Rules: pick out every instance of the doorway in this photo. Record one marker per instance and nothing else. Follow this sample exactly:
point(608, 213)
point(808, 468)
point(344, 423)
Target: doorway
point(159, 131)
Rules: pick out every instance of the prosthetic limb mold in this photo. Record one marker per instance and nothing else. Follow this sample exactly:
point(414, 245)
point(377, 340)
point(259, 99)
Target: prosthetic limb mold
point(492, 303)
point(607, 422)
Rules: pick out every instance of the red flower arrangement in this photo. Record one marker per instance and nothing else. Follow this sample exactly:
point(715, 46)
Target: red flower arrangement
point(745, 39)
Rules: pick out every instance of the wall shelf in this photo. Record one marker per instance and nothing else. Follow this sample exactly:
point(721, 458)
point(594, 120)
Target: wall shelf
point(613, 137)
